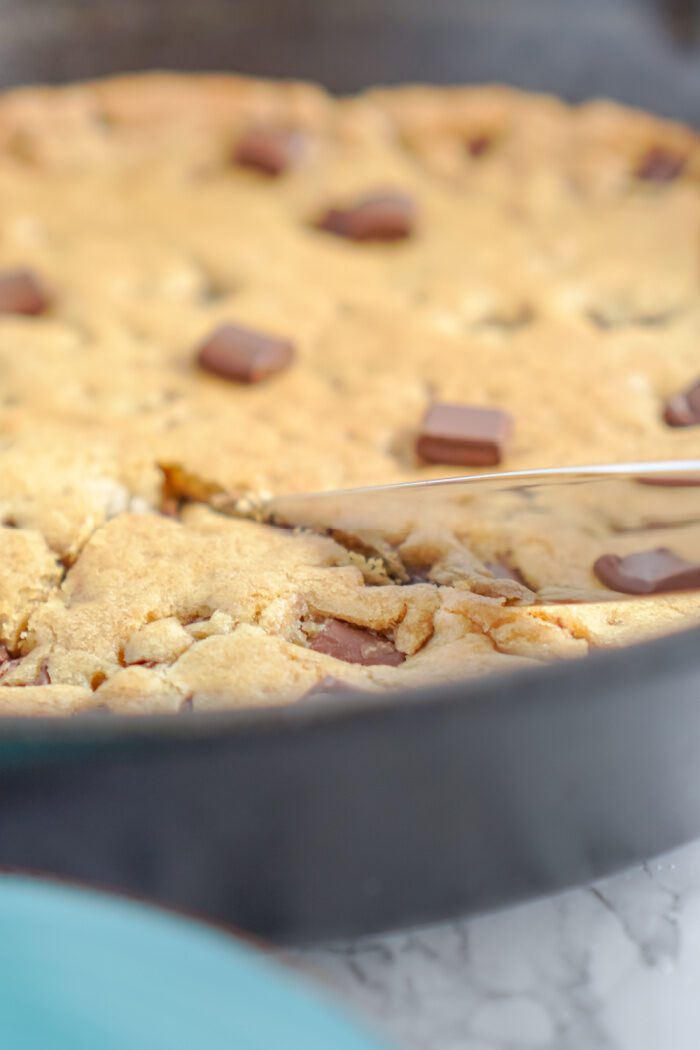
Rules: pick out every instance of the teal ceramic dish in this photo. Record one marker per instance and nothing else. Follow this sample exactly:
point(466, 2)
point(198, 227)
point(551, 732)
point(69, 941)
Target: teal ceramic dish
point(81, 971)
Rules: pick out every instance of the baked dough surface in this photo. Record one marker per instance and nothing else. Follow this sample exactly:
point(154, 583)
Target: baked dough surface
point(544, 277)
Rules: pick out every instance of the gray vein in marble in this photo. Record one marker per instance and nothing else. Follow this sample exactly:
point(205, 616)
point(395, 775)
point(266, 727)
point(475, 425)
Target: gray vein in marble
point(615, 966)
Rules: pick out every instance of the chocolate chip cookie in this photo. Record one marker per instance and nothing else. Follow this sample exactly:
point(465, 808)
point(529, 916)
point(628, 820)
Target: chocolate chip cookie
point(213, 289)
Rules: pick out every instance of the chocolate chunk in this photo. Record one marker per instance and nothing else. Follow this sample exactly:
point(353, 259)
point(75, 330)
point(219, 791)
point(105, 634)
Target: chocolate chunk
point(648, 572)
point(385, 216)
point(464, 435)
point(661, 165)
point(479, 144)
point(244, 355)
point(270, 150)
point(22, 293)
point(356, 645)
point(683, 410)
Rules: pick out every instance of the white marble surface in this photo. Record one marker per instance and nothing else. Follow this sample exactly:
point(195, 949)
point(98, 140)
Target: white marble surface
point(615, 966)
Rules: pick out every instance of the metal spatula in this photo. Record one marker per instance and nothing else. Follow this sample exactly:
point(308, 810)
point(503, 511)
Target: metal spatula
point(610, 530)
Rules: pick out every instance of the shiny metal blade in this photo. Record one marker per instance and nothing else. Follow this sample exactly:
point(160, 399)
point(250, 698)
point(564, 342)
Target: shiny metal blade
point(312, 505)
point(545, 529)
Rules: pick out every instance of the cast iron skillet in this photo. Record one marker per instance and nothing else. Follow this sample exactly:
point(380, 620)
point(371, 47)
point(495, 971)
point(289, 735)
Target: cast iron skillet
point(355, 814)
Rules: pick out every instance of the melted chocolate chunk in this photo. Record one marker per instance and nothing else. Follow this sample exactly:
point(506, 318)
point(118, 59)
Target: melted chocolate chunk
point(479, 145)
point(244, 355)
point(386, 216)
point(269, 150)
point(21, 292)
point(464, 435)
point(683, 410)
point(356, 645)
point(648, 572)
point(661, 165)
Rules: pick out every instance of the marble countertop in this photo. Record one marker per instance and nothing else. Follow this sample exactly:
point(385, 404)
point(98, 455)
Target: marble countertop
point(614, 966)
